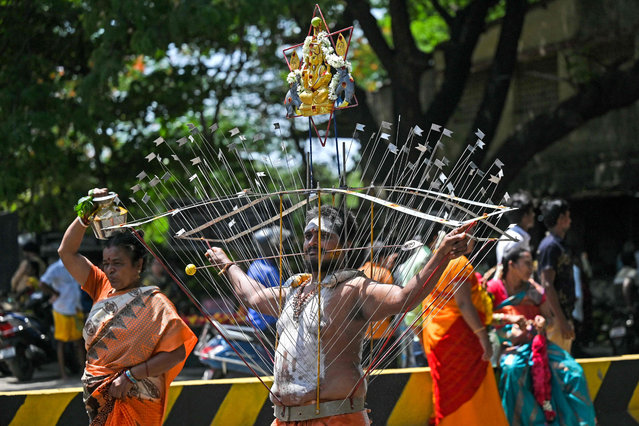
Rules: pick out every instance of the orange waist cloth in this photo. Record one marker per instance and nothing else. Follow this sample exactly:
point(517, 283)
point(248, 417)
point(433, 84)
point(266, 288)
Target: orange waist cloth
point(352, 419)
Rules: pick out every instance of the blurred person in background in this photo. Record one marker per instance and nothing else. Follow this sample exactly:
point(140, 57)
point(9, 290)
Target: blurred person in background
point(379, 270)
point(555, 269)
point(540, 384)
point(521, 221)
point(412, 324)
point(159, 277)
point(266, 271)
point(626, 281)
point(68, 316)
point(26, 278)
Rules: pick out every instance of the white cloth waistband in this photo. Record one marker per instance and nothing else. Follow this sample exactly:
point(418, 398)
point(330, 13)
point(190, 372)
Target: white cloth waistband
point(326, 409)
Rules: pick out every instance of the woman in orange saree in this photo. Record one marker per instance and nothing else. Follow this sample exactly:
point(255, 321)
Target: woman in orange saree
point(136, 343)
point(458, 350)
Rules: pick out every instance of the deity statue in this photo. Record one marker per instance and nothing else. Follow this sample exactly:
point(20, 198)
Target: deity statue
point(316, 78)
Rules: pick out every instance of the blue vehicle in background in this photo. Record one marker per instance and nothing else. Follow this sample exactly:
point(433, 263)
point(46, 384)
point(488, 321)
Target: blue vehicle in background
point(214, 350)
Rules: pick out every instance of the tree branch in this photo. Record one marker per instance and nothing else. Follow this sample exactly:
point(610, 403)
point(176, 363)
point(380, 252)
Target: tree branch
point(442, 12)
point(466, 28)
point(613, 90)
point(503, 66)
point(361, 11)
point(403, 39)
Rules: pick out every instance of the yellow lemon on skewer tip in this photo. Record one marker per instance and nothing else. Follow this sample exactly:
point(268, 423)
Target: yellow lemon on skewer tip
point(190, 269)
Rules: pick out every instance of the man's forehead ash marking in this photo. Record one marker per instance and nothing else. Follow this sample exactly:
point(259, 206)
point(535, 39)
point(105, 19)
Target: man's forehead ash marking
point(327, 226)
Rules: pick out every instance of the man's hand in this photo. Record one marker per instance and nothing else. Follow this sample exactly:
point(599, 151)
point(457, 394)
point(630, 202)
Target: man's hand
point(457, 242)
point(217, 257)
point(119, 388)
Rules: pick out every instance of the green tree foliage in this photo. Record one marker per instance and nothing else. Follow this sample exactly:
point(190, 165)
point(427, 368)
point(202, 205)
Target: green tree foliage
point(86, 86)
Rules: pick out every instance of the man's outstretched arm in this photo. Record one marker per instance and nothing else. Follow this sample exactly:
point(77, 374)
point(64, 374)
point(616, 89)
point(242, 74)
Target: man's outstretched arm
point(252, 292)
point(381, 301)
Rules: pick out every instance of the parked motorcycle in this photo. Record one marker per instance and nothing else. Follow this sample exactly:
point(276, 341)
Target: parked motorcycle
point(623, 329)
point(219, 356)
point(623, 332)
point(25, 341)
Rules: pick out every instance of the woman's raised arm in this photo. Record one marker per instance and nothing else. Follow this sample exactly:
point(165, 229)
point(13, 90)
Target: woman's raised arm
point(77, 265)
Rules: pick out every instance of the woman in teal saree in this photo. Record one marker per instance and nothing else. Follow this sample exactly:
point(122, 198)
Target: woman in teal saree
point(540, 384)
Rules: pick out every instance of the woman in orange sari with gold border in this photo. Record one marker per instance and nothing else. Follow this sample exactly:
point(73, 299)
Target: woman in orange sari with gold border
point(136, 342)
point(458, 350)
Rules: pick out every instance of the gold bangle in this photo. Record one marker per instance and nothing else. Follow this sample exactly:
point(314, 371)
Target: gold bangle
point(479, 329)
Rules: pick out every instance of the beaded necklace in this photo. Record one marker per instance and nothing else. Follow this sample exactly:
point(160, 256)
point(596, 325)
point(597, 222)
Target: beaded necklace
point(300, 299)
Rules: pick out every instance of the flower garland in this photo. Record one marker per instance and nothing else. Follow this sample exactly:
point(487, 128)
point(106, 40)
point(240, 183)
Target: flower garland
point(540, 371)
point(334, 60)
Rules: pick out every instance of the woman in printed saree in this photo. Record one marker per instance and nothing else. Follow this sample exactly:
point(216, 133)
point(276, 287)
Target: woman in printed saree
point(458, 350)
point(540, 382)
point(136, 343)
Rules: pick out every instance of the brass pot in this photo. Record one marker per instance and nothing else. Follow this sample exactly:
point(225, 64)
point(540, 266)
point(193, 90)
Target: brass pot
point(108, 218)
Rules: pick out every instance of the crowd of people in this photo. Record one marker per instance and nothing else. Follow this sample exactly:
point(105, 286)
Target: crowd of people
point(531, 299)
point(516, 318)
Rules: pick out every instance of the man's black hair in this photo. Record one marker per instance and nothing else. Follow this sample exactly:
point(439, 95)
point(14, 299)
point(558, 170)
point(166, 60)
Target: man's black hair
point(514, 253)
point(343, 221)
point(130, 243)
point(551, 209)
point(523, 202)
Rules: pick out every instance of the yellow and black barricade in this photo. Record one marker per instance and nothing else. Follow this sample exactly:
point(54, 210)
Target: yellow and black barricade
point(396, 397)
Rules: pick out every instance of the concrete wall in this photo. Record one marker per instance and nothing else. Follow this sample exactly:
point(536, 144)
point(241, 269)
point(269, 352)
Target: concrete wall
point(563, 43)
